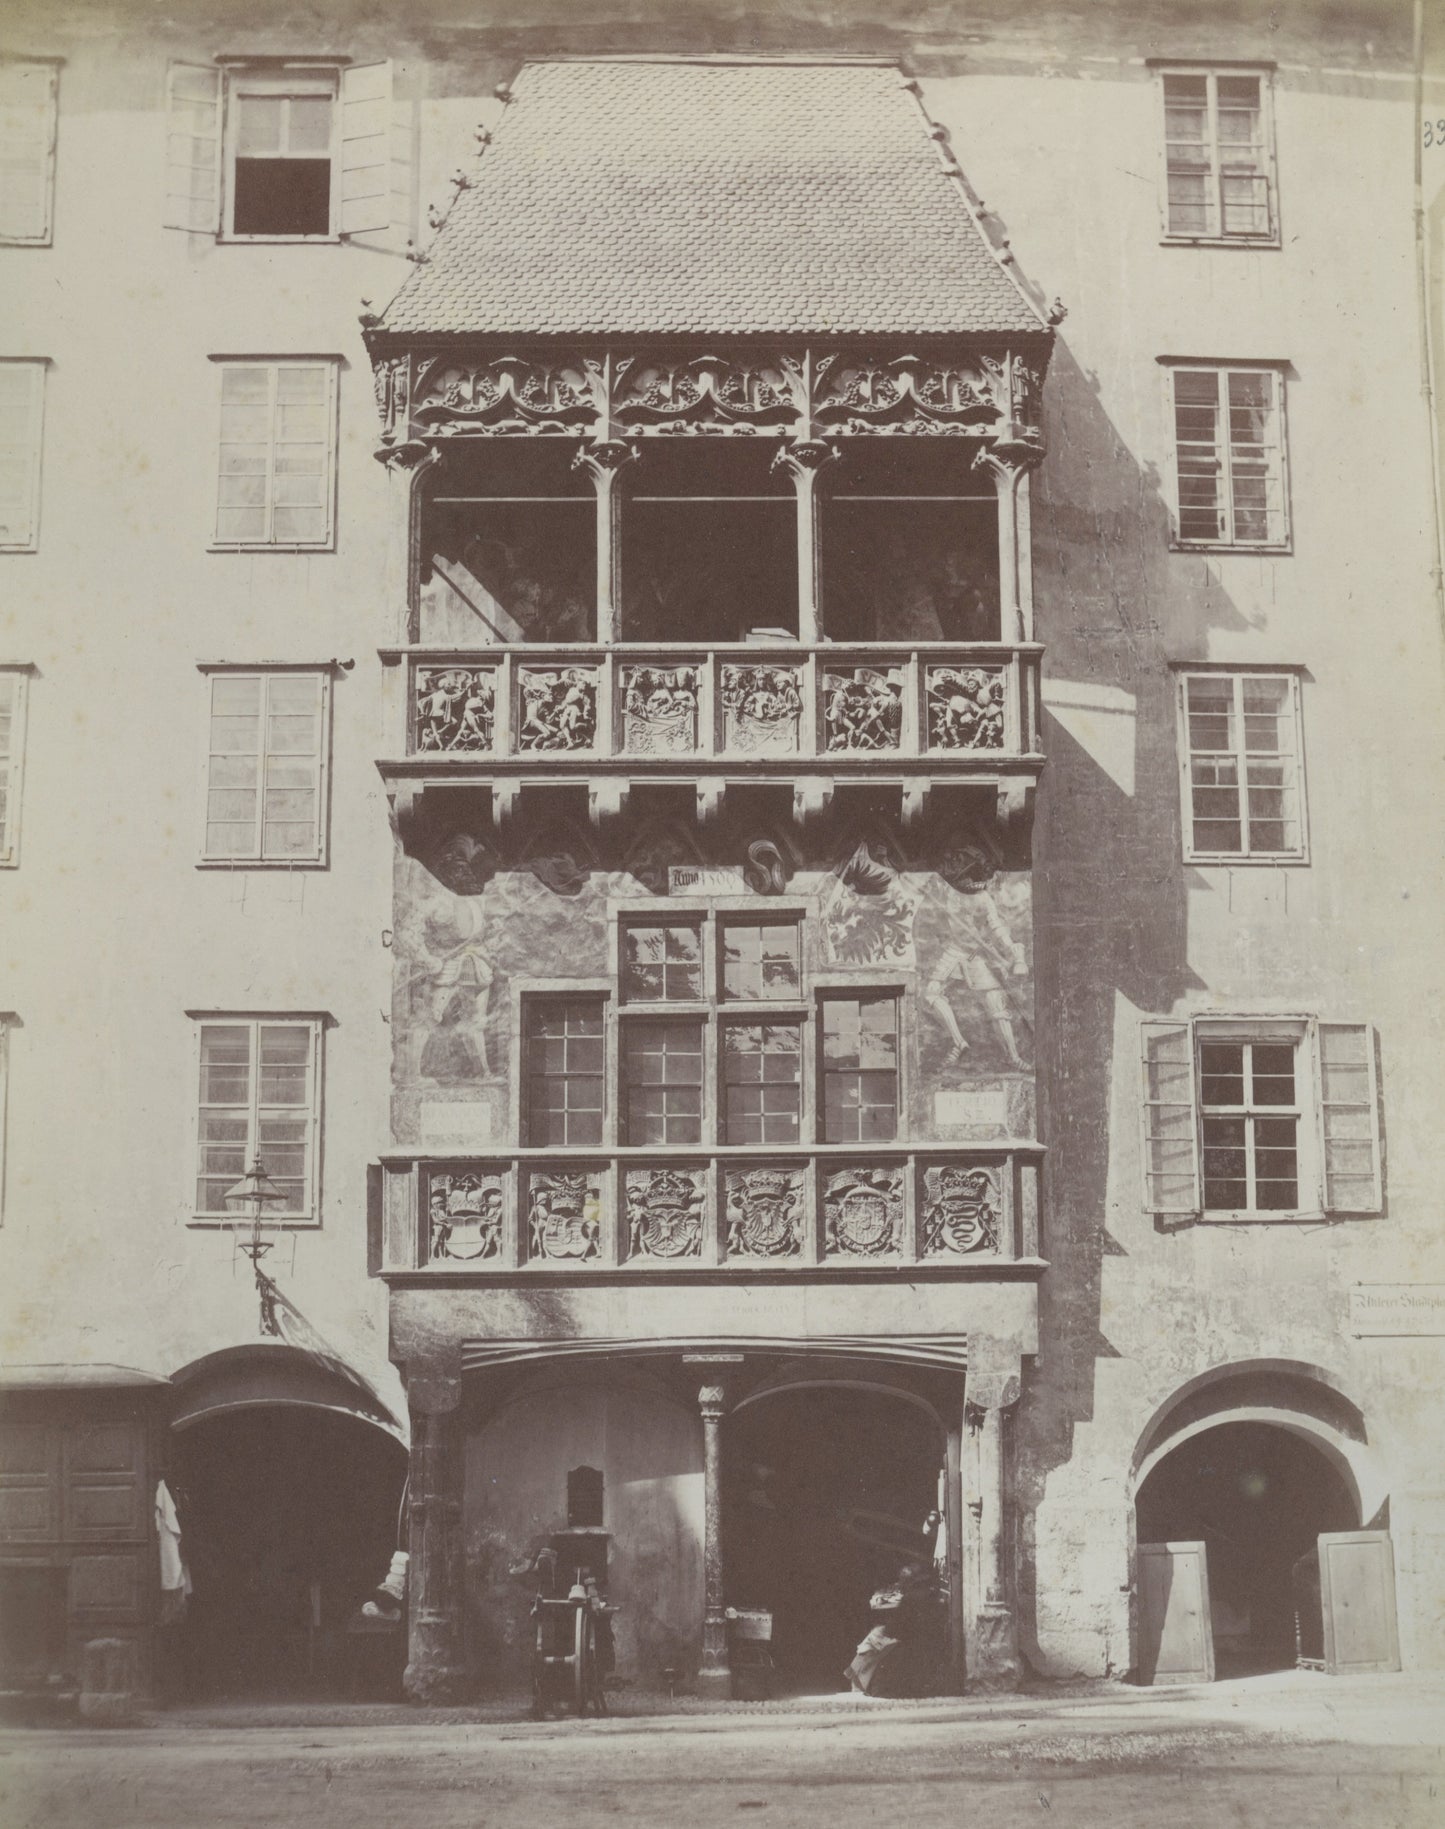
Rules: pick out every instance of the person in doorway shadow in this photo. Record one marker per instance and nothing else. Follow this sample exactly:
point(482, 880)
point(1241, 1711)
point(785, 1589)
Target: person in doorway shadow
point(899, 1654)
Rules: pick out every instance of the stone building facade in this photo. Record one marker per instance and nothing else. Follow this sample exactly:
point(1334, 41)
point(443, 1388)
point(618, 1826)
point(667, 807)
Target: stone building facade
point(806, 892)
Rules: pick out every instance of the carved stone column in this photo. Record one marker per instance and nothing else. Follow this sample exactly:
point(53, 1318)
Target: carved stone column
point(602, 459)
point(993, 1655)
point(1009, 465)
point(802, 460)
point(714, 1677)
point(406, 465)
point(436, 1668)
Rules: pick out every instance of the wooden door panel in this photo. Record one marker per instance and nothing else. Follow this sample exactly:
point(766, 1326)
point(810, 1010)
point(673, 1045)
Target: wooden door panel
point(1176, 1637)
point(29, 1483)
point(1357, 1594)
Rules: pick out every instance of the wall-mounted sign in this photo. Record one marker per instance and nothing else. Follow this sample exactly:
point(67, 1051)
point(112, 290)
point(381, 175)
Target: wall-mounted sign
point(1397, 1308)
point(977, 1107)
point(705, 879)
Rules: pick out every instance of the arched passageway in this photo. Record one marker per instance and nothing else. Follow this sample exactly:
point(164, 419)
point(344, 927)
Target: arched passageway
point(288, 1517)
point(1258, 1496)
point(826, 1493)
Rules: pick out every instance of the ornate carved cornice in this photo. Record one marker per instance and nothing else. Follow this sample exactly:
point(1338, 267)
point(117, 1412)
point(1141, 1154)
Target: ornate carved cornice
point(988, 390)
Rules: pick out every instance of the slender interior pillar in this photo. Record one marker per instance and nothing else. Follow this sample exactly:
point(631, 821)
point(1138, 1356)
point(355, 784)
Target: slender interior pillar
point(436, 1668)
point(602, 461)
point(1010, 474)
point(713, 1678)
point(803, 461)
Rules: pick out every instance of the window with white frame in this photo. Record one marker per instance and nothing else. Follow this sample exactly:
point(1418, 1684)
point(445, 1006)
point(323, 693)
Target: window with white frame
point(13, 683)
point(714, 1016)
point(22, 405)
point(27, 150)
point(1219, 166)
point(1229, 455)
point(1242, 762)
point(260, 1097)
point(276, 472)
point(287, 150)
point(266, 765)
point(1259, 1118)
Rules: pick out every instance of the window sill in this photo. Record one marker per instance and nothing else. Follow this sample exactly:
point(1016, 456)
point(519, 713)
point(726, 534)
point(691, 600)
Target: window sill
point(295, 546)
point(279, 241)
point(232, 1222)
point(26, 241)
point(261, 863)
point(1212, 860)
point(1243, 548)
point(26, 546)
point(1267, 242)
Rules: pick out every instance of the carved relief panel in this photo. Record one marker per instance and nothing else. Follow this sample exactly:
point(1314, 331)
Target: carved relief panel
point(663, 394)
point(762, 709)
point(862, 708)
point(454, 709)
point(965, 707)
point(863, 1212)
point(665, 1208)
point(960, 1211)
point(765, 1212)
point(564, 1216)
point(659, 710)
point(466, 1215)
point(557, 708)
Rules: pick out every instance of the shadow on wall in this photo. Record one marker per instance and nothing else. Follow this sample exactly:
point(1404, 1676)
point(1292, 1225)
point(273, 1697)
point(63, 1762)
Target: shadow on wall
point(647, 1447)
point(1114, 608)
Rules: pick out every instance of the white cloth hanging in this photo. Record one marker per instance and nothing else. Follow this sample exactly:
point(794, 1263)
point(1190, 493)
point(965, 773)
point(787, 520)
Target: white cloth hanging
point(175, 1576)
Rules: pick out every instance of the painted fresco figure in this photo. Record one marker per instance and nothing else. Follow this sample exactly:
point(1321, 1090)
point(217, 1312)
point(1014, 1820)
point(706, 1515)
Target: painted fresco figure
point(984, 962)
point(458, 993)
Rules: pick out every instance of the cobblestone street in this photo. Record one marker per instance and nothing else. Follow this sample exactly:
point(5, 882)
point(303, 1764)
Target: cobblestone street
point(1280, 1752)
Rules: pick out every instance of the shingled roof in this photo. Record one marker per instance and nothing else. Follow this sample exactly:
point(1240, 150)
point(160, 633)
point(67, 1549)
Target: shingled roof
point(686, 198)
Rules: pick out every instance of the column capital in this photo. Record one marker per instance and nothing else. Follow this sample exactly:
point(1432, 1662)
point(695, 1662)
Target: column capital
point(409, 458)
point(604, 457)
point(1010, 455)
point(803, 456)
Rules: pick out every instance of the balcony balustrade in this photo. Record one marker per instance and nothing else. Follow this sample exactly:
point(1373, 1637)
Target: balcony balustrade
point(921, 712)
point(970, 1210)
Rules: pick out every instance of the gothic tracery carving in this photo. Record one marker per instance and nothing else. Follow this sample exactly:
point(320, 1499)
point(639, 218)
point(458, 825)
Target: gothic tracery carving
point(965, 707)
point(863, 1212)
point(661, 394)
point(664, 1212)
point(960, 1210)
point(455, 708)
point(764, 1212)
point(511, 394)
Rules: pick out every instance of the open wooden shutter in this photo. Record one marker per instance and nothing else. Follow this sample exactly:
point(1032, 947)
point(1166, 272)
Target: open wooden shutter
point(1349, 1116)
point(193, 148)
point(377, 163)
point(1170, 1141)
point(27, 151)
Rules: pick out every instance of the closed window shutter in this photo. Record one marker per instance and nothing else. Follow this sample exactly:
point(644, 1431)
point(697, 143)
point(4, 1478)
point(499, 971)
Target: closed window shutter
point(1171, 1146)
point(366, 149)
point(193, 148)
point(27, 151)
point(21, 394)
point(1349, 1118)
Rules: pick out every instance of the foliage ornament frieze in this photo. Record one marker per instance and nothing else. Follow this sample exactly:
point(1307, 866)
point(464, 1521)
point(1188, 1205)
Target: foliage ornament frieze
point(510, 394)
point(654, 394)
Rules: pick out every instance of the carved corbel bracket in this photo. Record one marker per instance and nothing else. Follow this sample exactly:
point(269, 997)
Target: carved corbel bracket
point(804, 456)
point(607, 802)
point(812, 796)
point(1015, 804)
point(414, 456)
point(603, 457)
point(404, 802)
point(711, 802)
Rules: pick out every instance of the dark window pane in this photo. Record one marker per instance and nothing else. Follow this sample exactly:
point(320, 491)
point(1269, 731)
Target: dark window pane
point(282, 197)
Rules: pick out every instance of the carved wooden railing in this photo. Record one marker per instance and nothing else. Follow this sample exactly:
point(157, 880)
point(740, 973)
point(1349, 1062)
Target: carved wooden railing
point(735, 1212)
point(958, 709)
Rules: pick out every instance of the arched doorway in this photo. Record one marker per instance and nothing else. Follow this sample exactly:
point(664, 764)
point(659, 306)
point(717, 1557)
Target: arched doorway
point(1257, 1495)
point(826, 1493)
point(287, 1472)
